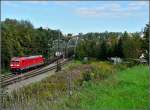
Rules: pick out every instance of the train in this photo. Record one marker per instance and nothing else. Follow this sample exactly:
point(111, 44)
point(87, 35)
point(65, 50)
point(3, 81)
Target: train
point(24, 63)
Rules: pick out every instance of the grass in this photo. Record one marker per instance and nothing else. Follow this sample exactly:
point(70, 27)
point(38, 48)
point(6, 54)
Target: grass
point(96, 85)
point(128, 89)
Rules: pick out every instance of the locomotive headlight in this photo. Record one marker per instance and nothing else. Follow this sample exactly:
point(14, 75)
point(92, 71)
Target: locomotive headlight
point(11, 65)
point(17, 65)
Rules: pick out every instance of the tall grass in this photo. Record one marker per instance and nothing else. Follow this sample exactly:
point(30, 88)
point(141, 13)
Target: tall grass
point(97, 85)
point(128, 89)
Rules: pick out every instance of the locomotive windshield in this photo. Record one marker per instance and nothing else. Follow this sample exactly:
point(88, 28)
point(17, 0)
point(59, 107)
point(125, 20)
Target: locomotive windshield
point(15, 62)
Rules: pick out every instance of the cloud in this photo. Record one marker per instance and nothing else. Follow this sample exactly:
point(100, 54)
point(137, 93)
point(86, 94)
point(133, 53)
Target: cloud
point(9, 3)
point(36, 2)
point(115, 7)
point(65, 2)
point(113, 10)
point(139, 3)
point(17, 3)
point(90, 12)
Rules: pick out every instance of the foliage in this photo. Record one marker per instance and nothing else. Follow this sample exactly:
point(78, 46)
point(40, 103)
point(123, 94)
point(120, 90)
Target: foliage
point(20, 38)
point(127, 89)
point(97, 85)
point(146, 40)
point(108, 44)
point(102, 70)
point(132, 47)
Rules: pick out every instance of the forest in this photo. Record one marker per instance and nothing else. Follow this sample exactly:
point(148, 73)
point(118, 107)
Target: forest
point(21, 38)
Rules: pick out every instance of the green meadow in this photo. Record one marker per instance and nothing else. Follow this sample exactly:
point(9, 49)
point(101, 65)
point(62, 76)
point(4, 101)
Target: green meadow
point(128, 89)
point(94, 85)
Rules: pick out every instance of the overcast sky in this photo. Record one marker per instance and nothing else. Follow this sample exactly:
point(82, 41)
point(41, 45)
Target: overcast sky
point(80, 16)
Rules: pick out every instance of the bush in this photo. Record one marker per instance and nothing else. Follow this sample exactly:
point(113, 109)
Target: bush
point(86, 76)
point(120, 66)
point(103, 70)
point(132, 63)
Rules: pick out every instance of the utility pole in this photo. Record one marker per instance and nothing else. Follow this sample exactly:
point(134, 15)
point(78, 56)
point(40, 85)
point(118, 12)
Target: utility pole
point(69, 76)
point(70, 84)
point(50, 48)
point(76, 42)
point(58, 54)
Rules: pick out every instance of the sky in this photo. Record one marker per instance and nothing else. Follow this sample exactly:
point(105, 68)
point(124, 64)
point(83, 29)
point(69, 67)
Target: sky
point(80, 16)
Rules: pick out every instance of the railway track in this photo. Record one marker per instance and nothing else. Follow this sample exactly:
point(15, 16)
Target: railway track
point(10, 78)
point(4, 77)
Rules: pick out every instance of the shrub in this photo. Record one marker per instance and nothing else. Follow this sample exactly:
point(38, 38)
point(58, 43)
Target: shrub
point(86, 76)
point(120, 66)
point(103, 70)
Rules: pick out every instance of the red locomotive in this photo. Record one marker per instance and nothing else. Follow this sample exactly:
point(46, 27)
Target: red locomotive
point(20, 64)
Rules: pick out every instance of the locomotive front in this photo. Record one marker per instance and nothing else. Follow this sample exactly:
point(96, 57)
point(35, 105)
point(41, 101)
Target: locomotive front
point(15, 65)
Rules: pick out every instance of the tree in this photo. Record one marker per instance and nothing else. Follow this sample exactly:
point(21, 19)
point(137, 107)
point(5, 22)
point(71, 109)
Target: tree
point(146, 40)
point(132, 47)
point(103, 50)
point(120, 48)
point(20, 38)
point(81, 50)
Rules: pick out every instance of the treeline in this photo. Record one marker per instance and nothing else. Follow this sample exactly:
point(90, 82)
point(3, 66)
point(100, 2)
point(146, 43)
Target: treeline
point(20, 38)
point(113, 44)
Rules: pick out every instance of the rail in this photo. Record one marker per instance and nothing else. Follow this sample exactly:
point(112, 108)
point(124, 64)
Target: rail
point(8, 76)
point(10, 79)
